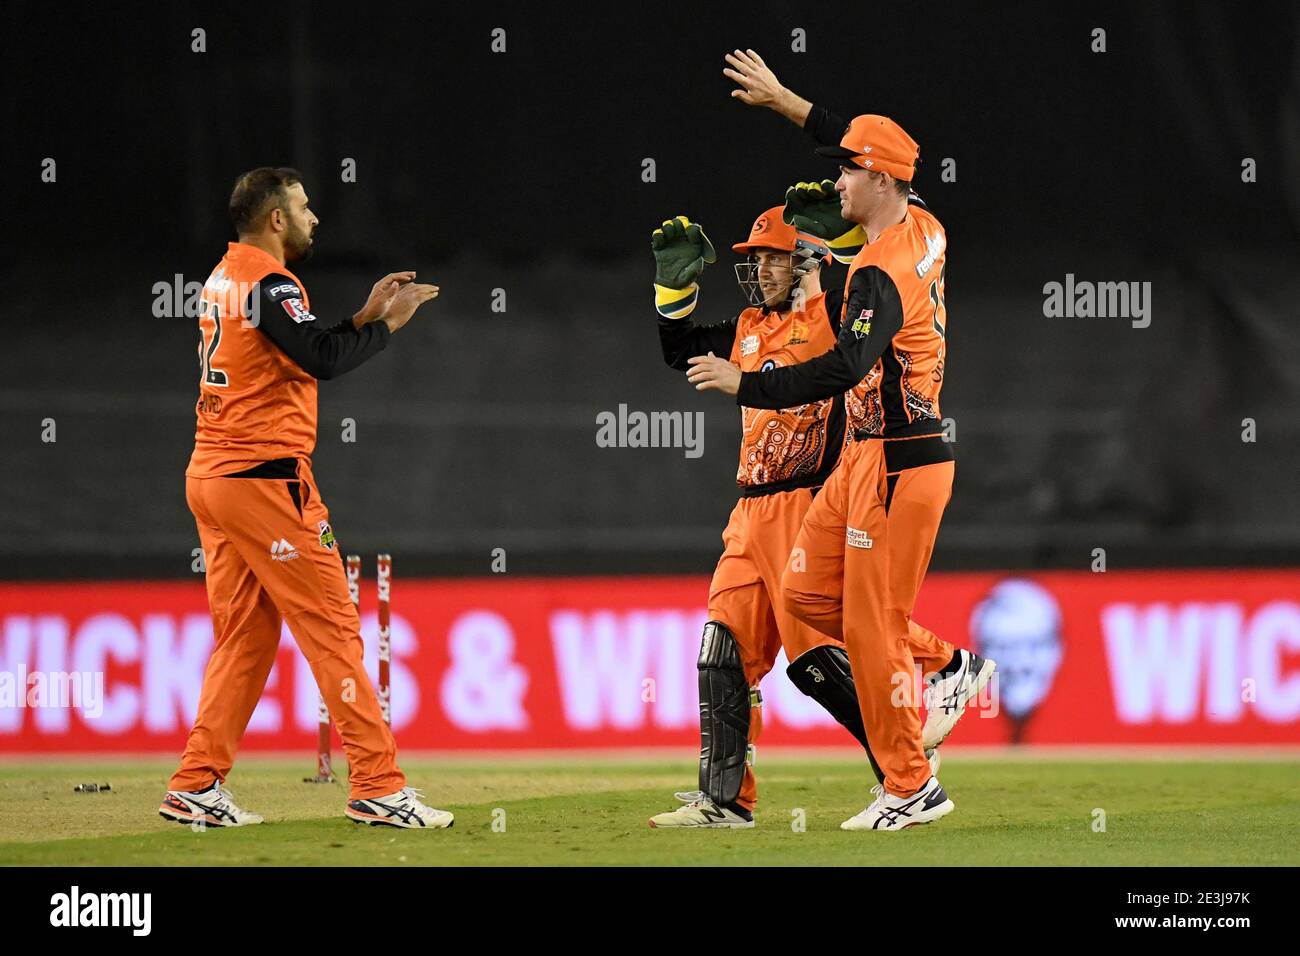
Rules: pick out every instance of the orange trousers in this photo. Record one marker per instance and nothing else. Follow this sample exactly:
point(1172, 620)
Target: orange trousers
point(862, 570)
point(262, 542)
point(745, 592)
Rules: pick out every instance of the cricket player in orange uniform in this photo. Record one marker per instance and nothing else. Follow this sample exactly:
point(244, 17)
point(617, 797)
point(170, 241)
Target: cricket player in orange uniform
point(785, 456)
point(919, 489)
point(866, 559)
point(266, 537)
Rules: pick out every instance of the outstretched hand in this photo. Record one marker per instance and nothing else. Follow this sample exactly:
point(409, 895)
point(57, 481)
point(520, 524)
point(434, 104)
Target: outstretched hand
point(381, 297)
point(710, 373)
point(758, 84)
point(408, 298)
point(760, 87)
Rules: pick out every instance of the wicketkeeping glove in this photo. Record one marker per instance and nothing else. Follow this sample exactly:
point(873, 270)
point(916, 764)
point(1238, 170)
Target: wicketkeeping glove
point(681, 250)
point(814, 208)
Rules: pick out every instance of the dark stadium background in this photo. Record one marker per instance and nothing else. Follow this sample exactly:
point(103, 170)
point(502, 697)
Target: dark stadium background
point(522, 171)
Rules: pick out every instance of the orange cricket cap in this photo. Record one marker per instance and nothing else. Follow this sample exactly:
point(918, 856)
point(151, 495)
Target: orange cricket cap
point(876, 143)
point(770, 232)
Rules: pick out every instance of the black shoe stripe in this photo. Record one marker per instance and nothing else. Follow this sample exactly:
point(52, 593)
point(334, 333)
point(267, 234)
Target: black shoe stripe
point(405, 814)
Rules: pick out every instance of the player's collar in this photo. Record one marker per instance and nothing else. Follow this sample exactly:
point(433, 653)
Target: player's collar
point(247, 251)
point(907, 218)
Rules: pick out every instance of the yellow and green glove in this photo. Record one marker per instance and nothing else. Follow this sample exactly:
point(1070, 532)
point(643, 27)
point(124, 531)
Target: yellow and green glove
point(814, 208)
point(681, 250)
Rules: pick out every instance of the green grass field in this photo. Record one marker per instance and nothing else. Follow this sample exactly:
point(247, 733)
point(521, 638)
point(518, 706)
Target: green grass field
point(1009, 811)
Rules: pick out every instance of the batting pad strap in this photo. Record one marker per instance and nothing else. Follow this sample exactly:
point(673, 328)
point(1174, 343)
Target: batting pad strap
point(676, 303)
point(823, 673)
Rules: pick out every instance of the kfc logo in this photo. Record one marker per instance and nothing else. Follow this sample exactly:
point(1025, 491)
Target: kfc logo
point(297, 311)
point(1019, 625)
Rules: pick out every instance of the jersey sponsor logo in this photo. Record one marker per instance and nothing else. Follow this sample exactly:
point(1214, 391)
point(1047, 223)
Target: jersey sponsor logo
point(326, 536)
point(297, 311)
point(282, 550)
point(767, 366)
point(862, 324)
point(934, 246)
point(857, 539)
point(748, 345)
point(284, 288)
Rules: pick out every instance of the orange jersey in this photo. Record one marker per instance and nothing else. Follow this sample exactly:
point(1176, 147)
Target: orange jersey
point(889, 354)
point(782, 447)
point(862, 405)
point(793, 446)
point(902, 388)
point(255, 403)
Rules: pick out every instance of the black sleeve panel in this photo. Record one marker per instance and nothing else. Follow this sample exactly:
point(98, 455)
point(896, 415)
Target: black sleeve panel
point(834, 299)
point(824, 126)
point(321, 353)
point(681, 339)
point(872, 317)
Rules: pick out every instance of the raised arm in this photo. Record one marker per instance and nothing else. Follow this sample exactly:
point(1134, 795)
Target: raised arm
point(681, 251)
point(758, 86)
point(325, 353)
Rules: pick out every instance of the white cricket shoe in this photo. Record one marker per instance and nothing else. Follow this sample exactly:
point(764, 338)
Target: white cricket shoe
point(946, 697)
point(889, 812)
point(933, 756)
point(212, 807)
point(700, 811)
point(400, 809)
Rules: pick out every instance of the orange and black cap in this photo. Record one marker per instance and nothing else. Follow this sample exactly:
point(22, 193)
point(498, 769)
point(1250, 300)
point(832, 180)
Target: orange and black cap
point(876, 143)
